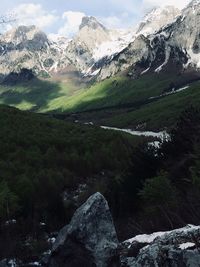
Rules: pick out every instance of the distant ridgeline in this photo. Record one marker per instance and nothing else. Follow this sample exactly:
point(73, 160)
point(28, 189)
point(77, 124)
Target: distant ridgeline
point(15, 78)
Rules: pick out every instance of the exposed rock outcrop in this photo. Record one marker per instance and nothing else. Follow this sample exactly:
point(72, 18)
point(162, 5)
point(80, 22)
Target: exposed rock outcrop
point(93, 48)
point(89, 240)
point(170, 249)
point(156, 19)
point(30, 48)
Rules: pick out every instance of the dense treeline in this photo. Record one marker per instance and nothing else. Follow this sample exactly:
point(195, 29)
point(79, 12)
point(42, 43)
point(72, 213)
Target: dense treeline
point(164, 185)
point(40, 157)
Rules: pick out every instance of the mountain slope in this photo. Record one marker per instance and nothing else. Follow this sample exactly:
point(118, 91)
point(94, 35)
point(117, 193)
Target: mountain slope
point(143, 69)
point(176, 43)
point(90, 50)
point(156, 19)
point(28, 47)
point(147, 103)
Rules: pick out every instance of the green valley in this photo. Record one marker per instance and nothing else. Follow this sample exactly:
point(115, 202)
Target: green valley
point(119, 101)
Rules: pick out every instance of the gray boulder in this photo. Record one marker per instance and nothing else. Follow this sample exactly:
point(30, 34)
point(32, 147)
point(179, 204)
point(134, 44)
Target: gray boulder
point(89, 240)
point(175, 248)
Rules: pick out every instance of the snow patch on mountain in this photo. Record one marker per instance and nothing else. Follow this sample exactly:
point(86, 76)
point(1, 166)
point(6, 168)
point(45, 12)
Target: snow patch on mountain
point(166, 35)
point(194, 59)
point(115, 45)
point(157, 18)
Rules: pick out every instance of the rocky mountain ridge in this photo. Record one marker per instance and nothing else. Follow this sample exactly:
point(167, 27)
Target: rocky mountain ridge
point(91, 50)
point(165, 36)
point(176, 44)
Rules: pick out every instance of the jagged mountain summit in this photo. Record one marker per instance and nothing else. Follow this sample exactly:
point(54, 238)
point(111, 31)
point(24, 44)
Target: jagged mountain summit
point(165, 36)
point(176, 44)
point(180, 41)
point(28, 47)
point(156, 19)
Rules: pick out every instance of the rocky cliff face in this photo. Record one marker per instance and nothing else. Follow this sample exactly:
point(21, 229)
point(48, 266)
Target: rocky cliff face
point(30, 48)
point(165, 36)
point(135, 52)
point(178, 41)
point(156, 19)
point(93, 51)
point(177, 44)
point(140, 49)
point(80, 50)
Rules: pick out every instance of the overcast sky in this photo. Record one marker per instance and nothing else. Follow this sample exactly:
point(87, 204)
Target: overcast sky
point(64, 16)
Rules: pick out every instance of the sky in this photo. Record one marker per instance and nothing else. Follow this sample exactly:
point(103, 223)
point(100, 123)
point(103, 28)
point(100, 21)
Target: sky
point(63, 17)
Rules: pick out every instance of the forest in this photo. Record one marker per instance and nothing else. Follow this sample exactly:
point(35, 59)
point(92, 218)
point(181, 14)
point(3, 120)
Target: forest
point(48, 167)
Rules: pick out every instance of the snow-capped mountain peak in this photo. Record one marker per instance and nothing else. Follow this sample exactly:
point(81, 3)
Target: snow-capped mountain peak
point(91, 22)
point(194, 3)
point(163, 34)
point(23, 34)
point(157, 18)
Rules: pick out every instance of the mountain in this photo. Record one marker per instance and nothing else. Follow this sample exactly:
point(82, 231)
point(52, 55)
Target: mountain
point(91, 50)
point(93, 43)
point(123, 73)
point(28, 47)
point(176, 45)
point(80, 50)
point(117, 113)
point(156, 19)
point(139, 47)
point(178, 42)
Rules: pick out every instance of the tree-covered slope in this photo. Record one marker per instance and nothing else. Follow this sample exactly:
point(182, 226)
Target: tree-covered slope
point(40, 157)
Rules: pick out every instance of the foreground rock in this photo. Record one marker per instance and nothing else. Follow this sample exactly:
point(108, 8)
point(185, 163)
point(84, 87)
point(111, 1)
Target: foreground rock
point(176, 248)
point(89, 240)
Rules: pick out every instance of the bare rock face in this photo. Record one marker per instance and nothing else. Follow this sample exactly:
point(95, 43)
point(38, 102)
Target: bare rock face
point(98, 52)
point(172, 39)
point(27, 47)
point(89, 240)
point(175, 248)
point(135, 52)
point(156, 19)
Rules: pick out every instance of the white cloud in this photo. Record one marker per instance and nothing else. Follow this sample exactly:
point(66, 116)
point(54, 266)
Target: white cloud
point(34, 14)
point(72, 23)
point(118, 13)
point(111, 22)
point(178, 3)
point(123, 20)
